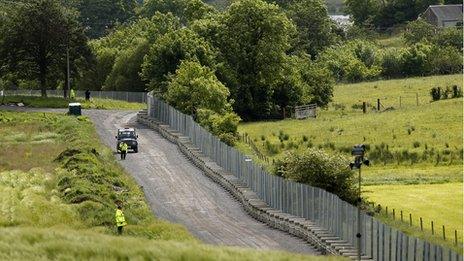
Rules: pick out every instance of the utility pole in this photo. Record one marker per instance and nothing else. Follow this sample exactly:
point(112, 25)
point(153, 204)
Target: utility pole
point(358, 152)
point(68, 84)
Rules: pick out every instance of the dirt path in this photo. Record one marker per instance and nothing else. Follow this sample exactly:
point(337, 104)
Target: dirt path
point(179, 192)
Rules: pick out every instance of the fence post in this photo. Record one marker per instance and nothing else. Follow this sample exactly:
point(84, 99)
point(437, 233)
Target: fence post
point(393, 214)
point(433, 232)
point(455, 237)
point(410, 219)
point(401, 214)
point(422, 227)
point(444, 236)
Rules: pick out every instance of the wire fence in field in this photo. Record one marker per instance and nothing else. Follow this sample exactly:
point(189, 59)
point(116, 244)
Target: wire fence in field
point(139, 97)
point(379, 241)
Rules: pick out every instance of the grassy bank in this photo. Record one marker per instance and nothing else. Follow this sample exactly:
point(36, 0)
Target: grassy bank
point(58, 188)
point(65, 244)
point(57, 102)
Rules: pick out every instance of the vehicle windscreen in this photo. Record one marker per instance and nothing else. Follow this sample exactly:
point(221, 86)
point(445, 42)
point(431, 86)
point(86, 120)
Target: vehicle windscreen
point(127, 135)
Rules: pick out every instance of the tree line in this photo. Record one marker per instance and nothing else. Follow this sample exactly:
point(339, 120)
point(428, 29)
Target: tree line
point(255, 59)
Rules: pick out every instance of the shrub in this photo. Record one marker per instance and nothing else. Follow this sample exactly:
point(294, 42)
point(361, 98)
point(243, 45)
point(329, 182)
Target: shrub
point(457, 92)
point(224, 126)
point(415, 59)
point(444, 60)
point(435, 92)
point(320, 169)
point(392, 63)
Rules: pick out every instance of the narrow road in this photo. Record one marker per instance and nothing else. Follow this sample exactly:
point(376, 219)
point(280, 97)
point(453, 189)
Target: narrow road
point(178, 191)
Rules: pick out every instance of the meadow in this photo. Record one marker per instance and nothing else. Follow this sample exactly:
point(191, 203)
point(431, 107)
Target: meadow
point(411, 144)
point(58, 191)
point(58, 102)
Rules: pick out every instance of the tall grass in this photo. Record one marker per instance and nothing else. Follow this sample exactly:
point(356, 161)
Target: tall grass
point(66, 244)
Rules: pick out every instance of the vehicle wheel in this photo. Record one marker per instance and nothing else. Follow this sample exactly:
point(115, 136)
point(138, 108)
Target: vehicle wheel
point(136, 149)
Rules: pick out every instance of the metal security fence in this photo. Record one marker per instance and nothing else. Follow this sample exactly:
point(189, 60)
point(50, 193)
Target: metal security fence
point(140, 97)
point(379, 241)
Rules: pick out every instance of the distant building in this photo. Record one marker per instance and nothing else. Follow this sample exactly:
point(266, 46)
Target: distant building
point(342, 20)
point(443, 15)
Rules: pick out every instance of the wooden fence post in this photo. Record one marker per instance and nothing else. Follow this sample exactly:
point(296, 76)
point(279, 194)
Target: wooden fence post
point(410, 219)
point(401, 214)
point(393, 214)
point(455, 237)
point(422, 227)
point(433, 232)
point(444, 236)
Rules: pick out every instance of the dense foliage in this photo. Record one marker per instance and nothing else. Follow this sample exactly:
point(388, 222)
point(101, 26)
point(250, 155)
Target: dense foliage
point(318, 168)
point(385, 14)
point(34, 41)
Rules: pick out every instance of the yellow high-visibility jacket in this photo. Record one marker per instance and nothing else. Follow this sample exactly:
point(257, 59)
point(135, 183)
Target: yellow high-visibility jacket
point(72, 94)
point(123, 146)
point(120, 219)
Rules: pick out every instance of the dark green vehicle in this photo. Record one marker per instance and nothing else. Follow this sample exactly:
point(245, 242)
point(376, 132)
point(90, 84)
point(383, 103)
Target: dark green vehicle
point(128, 136)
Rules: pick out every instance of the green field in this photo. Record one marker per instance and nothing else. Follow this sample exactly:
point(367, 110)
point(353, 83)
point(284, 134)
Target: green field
point(417, 143)
point(57, 102)
point(409, 142)
point(440, 203)
point(58, 188)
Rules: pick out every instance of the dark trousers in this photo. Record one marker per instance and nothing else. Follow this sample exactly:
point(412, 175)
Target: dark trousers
point(120, 230)
point(123, 154)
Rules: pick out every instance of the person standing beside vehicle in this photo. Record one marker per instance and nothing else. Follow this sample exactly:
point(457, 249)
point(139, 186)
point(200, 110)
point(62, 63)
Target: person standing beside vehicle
point(123, 149)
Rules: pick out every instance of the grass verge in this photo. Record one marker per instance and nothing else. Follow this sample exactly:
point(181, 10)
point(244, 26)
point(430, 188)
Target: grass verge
point(67, 212)
point(57, 102)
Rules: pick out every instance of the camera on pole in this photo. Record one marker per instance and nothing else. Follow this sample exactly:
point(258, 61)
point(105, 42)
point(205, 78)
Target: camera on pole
point(358, 152)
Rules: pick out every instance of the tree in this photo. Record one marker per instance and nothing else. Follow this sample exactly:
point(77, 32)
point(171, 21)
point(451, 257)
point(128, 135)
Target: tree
point(186, 10)
point(254, 37)
point(119, 55)
point(313, 25)
point(36, 39)
point(100, 16)
point(167, 53)
point(125, 74)
point(194, 87)
point(417, 31)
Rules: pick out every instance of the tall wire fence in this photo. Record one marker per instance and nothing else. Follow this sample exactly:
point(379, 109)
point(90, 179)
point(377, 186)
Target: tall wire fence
point(139, 97)
point(379, 241)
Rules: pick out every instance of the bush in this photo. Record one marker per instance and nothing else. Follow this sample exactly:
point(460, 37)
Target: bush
point(444, 60)
point(415, 59)
point(435, 92)
point(320, 169)
point(224, 126)
point(392, 63)
point(353, 61)
point(457, 92)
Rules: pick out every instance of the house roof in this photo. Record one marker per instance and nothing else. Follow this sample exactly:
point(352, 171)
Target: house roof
point(447, 12)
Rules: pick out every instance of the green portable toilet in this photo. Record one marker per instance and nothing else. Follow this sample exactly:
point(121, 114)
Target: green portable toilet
point(74, 108)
